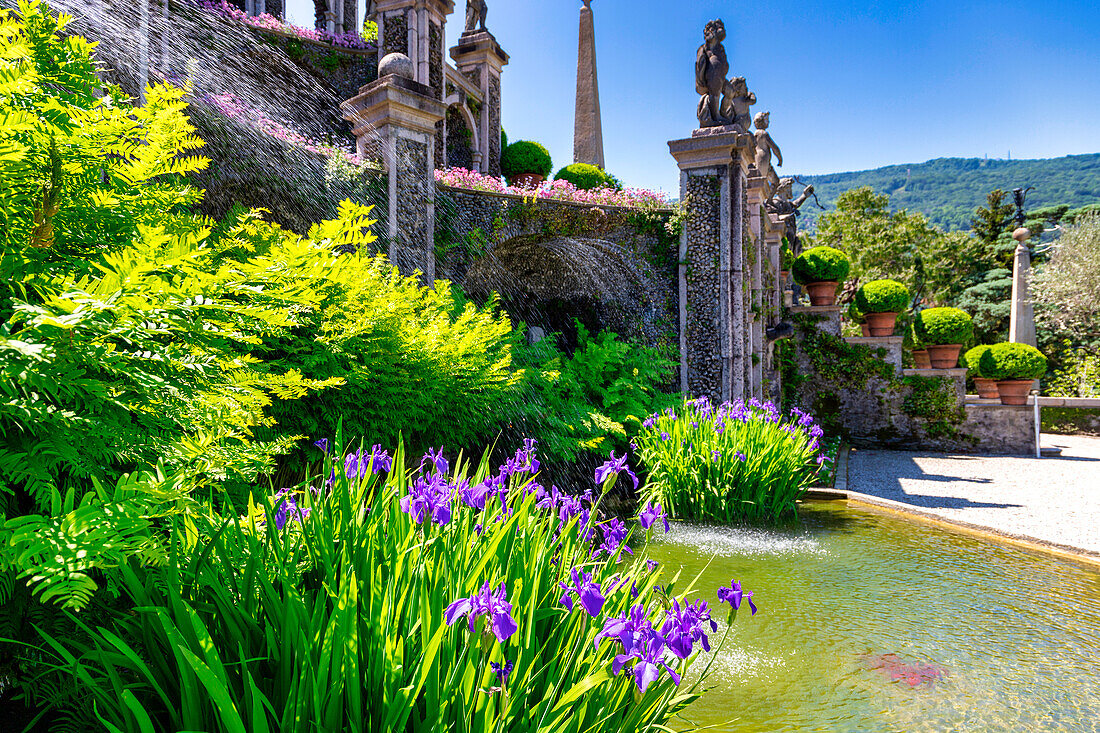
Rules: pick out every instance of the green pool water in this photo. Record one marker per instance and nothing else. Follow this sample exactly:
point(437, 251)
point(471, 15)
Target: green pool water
point(868, 622)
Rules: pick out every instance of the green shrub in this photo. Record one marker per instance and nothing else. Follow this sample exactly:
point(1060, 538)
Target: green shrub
point(258, 624)
point(936, 326)
point(730, 463)
point(821, 264)
point(523, 157)
point(882, 296)
point(972, 360)
point(503, 139)
point(1013, 361)
point(855, 315)
point(586, 176)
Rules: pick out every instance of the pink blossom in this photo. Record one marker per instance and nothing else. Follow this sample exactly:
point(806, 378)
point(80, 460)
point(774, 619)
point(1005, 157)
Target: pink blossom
point(268, 22)
point(559, 190)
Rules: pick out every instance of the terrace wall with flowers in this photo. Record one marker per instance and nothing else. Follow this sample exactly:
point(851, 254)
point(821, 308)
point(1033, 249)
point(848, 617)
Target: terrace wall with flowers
point(557, 253)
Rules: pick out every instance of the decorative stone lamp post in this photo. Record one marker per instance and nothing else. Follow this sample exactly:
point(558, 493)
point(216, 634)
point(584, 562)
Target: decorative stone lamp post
point(1021, 328)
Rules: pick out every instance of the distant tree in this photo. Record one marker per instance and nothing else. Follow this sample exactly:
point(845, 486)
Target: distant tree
point(991, 221)
point(1069, 284)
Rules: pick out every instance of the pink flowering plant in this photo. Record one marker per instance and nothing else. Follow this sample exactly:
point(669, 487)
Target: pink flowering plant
point(560, 190)
point(730, 462)
point(268, 22)
point(387, 594)
point(235, 109)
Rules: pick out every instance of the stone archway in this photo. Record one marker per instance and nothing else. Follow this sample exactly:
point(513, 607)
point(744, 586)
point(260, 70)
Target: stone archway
point(461, 139)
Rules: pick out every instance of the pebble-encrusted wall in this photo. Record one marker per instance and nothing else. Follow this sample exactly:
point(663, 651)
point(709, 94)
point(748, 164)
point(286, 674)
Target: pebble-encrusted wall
point(413, 174)
point(702, 238)
point(494, 125)
point(472, 225)
point(396, 35)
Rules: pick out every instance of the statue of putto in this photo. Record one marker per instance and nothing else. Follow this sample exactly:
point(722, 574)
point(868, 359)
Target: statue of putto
point(476, 10)
point(736, 100)
point(711, 67)
point(765, 146)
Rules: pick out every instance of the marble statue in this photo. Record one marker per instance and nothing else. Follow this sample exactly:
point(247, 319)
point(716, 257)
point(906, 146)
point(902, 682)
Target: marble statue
point(736, 100)
point(476, 10)
point(711, 67)
point(786, 209)
point(765, 146)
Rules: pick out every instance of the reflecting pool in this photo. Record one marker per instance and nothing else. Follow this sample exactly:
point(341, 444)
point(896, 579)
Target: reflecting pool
point(869, 622)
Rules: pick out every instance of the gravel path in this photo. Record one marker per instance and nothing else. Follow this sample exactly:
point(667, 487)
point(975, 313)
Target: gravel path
point(1053, 500)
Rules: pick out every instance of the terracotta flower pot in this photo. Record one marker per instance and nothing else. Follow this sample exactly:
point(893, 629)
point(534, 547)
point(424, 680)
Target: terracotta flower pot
point(528, 180)
point(822, 293)
point(881, 324)
point(865, 328)
point(1014, 391)
point(944, 356)
point(987, 388)
point(784, 279)
point(921, 360)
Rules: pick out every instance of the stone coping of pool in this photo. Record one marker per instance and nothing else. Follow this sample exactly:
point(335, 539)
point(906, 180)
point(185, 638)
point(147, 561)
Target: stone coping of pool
point(841, 493)
point(1080, 403)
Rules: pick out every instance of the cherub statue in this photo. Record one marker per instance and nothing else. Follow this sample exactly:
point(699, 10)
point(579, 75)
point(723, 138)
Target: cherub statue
point(736, 100)
point(786, 209)
point(476, 10)
point(765, 146)
point(711, 67)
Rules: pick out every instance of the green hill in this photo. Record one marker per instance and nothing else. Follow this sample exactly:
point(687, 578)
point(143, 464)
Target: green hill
point(947, 190)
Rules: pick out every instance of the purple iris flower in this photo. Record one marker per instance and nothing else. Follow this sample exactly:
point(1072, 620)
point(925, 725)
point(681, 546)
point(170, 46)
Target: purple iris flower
point(652, 565)
point(288, 509)
point(379, 459)
point(665, 437)
point(322, 444)
point(524, 461)
point(429, 497)
point(474, 496)
point(685, 625)
point(493, 604)
point(734, 596)
point(502, 672)
point(437, 460)
point(650, 421)
point(641, 644)
point(586, 590)
point(614, 535)
point(651, 514)
point(741, 457)
point(614, 466)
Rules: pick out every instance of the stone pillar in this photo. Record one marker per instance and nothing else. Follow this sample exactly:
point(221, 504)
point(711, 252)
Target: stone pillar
point(587, 124)
point(773, 303)
point(416, 28)
point(395, 119)
point(715, 345)
point(480, 59)
point(754, 247)
point(1021, 329)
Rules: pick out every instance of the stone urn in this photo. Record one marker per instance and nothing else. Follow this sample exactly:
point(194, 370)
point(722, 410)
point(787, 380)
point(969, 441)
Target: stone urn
point(865, 328)
point(881, 324)
point(987, 388)
point(1014, 391)
point(528, 180)
point(944, 356)
point(822, 293)
point(921, 359)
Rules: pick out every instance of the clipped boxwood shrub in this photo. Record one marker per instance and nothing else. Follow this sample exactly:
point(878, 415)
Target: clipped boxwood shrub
point(882, 296)
point(585, 176)
point(855, 315)
point(1012, 361)
point(972, 360)
point(937, 326)
point(821, 264)
point(503, 139)
point(524, 156)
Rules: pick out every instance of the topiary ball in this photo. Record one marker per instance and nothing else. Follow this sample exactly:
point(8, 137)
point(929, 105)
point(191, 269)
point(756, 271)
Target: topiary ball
point(937, 326)
point(585, 176)
point(1012, 361)
point(524, 156)
point(821, 265)
point(882, 296)
point(503, 139)
point(972, 359)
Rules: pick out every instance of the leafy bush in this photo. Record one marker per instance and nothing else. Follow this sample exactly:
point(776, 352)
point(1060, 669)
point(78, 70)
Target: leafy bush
point(972, 360)
point(585, 177)
point(503, 139)
point(423, 601)
point(523, 157)
point(821, 264)
point(943, 326)
point(1013, 361)
point(882, 296)
point(730, 463)
point(855, 315)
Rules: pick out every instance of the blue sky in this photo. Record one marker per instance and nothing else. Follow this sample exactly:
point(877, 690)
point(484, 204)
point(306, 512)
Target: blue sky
point(851, 84)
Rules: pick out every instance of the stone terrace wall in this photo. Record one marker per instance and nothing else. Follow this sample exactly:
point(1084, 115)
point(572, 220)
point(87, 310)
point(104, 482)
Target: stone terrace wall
point(552, 261)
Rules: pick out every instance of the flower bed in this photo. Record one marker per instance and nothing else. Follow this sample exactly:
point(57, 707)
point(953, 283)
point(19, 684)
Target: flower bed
point(235, 109)
point(560, 190)
point(268, 22)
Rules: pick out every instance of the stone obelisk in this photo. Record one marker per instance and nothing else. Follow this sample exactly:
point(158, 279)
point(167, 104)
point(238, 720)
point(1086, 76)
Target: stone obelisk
point(587, 128)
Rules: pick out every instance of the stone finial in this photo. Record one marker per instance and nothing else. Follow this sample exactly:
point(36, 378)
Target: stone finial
point(711, 67)
point(396, 64)
point(476, 12)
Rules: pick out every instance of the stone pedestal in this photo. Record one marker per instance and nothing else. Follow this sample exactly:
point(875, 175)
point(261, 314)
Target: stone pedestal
point(480, 59)
point(1021, 329)
point(891, 345)
point(394, 119)
point(958, 377)
point(715, 274)
point(827, 317)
